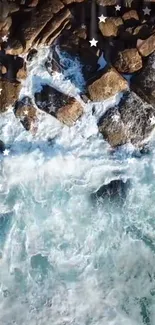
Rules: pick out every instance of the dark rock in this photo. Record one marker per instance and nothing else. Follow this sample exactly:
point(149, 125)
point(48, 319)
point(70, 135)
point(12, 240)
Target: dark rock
point(114, 190)
point(128, 122)
point(26, 112)
point(31, 55)
point(66, 109)
point(2, 146)
point(9, 94)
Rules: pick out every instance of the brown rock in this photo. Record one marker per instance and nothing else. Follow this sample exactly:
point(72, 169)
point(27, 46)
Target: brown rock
point(22, 73)
point(4, 10)
point(59, 105)
point(147, 46)
point(67, 2)
point(111, 26)
point(108, 83)
point(5, 25)
point(132, 14)
point(33, 3)
point(9, 94)
point(107, 2)
point(129, 122)
point(26, 112)
point(128, 61)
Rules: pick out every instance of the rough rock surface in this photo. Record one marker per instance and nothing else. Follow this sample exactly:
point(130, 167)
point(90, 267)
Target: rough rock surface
point(128, 61)
point(66, 109)
point(108, 82)
point(111, 26)
point(128, 122)
point(147, 46)
point(9, 94)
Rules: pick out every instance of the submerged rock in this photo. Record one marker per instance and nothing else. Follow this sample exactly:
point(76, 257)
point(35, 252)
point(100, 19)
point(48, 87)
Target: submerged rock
point(2, 146)
point(130, 121)
point(65, 108)
point(115, 189)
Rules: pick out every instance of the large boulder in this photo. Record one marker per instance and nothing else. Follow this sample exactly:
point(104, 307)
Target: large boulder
point(65, 108)
point(147, 46)
point(107, 83)
point(111, 26)
point(144, 82)
point(130, 121)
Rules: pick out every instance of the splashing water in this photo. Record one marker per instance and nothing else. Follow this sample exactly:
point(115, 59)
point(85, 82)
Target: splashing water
point(64, 260)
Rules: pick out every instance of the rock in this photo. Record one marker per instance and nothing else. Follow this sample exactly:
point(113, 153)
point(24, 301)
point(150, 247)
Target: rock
point(26, 112)
point(142, 31)
point(31, 55)
point(128, 61)
point(4, 10)
point(108, 82)
point(22, 73)
point(66, 109)
point(130, 121)
point(144, 82)
point(33, 3)
point(114, 190)
point(2, 146)
point(130, 15)
point(68, 2)
point(5, 26)
point(107, 2)
point(9, 94)
point(111, 26)
point(147, 47)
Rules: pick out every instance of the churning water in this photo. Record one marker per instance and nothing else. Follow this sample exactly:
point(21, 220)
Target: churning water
point(63, 259)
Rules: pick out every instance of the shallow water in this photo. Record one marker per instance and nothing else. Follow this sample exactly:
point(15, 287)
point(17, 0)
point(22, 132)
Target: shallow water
point(63, 259)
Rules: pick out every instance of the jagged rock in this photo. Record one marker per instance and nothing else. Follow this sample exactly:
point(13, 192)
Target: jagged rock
point(111, 26)
point(26, 112)
point(9, 94)
point(107, 83)
point(113, 190)
point(147, 47)
point(2, 146)
point(128, 61)
point(66, 109)
point(130, 121)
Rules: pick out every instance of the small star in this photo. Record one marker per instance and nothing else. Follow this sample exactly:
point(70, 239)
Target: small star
point(0, 91)
point(147, 11)
point(5, 38)
point(102, 19)
point(118, 8)
point(6, 152)
point(26, 112)
point(93, 42)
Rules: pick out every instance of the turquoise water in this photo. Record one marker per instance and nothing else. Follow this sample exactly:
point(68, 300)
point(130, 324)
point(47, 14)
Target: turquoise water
point(65, 260)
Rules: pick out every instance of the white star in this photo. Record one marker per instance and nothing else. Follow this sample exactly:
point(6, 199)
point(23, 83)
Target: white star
point(93, 42)
point(5, 38)
point(118, 8)
point(26, 112)
point(116, 118)
point(147, 11)
point(0, 91)
point(102, 19)
point(6, 152)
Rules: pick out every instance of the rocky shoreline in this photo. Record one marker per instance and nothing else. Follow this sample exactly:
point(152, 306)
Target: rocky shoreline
point(124, 31)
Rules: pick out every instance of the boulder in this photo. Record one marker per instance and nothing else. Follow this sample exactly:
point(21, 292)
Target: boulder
point(66, 109)
point(9, 94)
point(26, 112)
point(111, 26)
point(107, 83)
point(147, 46)
point(144, 82)
point(130, 16)
point(128, 61)
point(130, 121)
point(113, 190)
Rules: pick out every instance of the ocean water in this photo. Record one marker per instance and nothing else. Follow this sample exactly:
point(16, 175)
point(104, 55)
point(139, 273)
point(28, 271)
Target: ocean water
point(63, 259)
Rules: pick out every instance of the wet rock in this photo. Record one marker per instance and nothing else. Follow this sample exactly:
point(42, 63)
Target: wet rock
point(66, 109)
point(130, 121)
point(26, 112)
point(2, 146)
point(107, 83)
point(114, 190)
point(9, 93)
point(111, 26)
point(128, 61)
point(107, 2)
point(144, 82)
point(31, 55)
point(147, 46)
